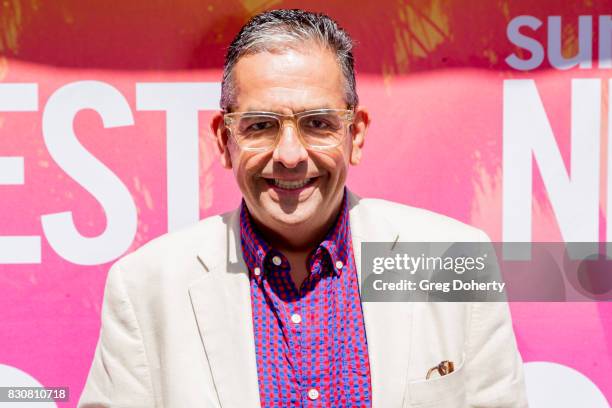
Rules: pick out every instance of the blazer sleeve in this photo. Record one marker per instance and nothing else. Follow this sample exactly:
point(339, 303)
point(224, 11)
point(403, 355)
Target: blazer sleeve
point(119, 374)
point(493, 362)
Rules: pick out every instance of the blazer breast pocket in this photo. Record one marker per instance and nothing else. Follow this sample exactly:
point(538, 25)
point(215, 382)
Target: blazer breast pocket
point(447, 391)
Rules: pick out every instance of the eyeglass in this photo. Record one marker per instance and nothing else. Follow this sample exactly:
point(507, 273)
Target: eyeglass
point(317, 129)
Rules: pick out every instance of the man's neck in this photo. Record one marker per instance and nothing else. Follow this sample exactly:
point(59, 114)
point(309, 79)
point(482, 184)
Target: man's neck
point(297, 239)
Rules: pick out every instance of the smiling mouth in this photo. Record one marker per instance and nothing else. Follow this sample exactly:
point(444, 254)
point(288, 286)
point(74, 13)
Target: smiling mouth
point(290, 184)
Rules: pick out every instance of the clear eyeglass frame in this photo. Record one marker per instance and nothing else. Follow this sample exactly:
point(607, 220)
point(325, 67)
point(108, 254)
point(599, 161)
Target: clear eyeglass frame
point(233, 119)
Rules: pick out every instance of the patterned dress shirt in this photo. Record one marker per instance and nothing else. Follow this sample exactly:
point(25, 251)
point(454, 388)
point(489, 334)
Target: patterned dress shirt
point(310, 342)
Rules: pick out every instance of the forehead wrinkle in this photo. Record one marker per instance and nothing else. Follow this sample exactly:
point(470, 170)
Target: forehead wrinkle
point(288, 101)
point(291, 81)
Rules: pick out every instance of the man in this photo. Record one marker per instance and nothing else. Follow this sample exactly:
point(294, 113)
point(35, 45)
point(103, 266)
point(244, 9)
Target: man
point(261, 306)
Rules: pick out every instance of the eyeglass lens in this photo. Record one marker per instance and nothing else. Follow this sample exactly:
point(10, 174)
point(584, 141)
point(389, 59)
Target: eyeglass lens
point(316, 129)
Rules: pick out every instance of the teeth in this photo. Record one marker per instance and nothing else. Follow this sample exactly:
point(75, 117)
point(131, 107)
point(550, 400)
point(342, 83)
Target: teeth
point(290, 185)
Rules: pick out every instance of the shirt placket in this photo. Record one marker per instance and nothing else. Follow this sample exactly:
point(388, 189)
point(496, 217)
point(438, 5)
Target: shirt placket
point(309, 391)
point(294, 323)
point(312, 293)
point(297, 332)
point(288, 311)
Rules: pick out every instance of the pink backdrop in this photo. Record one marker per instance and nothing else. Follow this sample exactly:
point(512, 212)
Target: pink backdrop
point(432, 74)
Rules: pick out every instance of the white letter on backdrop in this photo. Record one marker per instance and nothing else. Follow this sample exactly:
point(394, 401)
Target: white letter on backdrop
point(17, 249)
point(89, 172)
point(527, 134)
point(181, 102)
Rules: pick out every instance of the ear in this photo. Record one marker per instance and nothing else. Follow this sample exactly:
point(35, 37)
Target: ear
point(358, 132)
point(221, 134)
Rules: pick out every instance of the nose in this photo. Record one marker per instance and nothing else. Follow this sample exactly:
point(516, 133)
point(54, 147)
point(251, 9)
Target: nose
point(289, 151)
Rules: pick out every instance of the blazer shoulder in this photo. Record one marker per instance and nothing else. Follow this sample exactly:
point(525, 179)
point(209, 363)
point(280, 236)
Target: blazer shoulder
point(414, 221)
point(176, 251)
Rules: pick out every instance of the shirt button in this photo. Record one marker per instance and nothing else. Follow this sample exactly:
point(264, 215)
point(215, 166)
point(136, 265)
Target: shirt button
point(313, 394)
point(276, 260)
point(257, 271)
point(296, 318)
point(339, 264)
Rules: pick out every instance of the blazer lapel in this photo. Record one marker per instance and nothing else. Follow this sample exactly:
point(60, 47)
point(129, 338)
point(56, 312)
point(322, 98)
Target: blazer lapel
point(222, 306)
point(387, 324)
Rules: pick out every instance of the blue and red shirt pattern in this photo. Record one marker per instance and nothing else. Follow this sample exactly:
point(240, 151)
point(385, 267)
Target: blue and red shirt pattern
point(310, 342)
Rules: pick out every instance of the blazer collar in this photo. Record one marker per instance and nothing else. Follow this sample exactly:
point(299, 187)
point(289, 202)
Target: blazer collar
point(222, 307)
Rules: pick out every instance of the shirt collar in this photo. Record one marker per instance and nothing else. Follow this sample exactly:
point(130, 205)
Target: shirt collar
point(256, 250)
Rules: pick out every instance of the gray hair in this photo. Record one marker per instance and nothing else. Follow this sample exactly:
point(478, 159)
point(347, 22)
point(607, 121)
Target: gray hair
point(278, 29)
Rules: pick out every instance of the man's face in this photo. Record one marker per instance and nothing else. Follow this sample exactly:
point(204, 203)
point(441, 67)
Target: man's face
point(291, 185)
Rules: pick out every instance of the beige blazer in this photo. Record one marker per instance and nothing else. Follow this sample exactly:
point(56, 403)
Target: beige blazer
point(177, 327)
